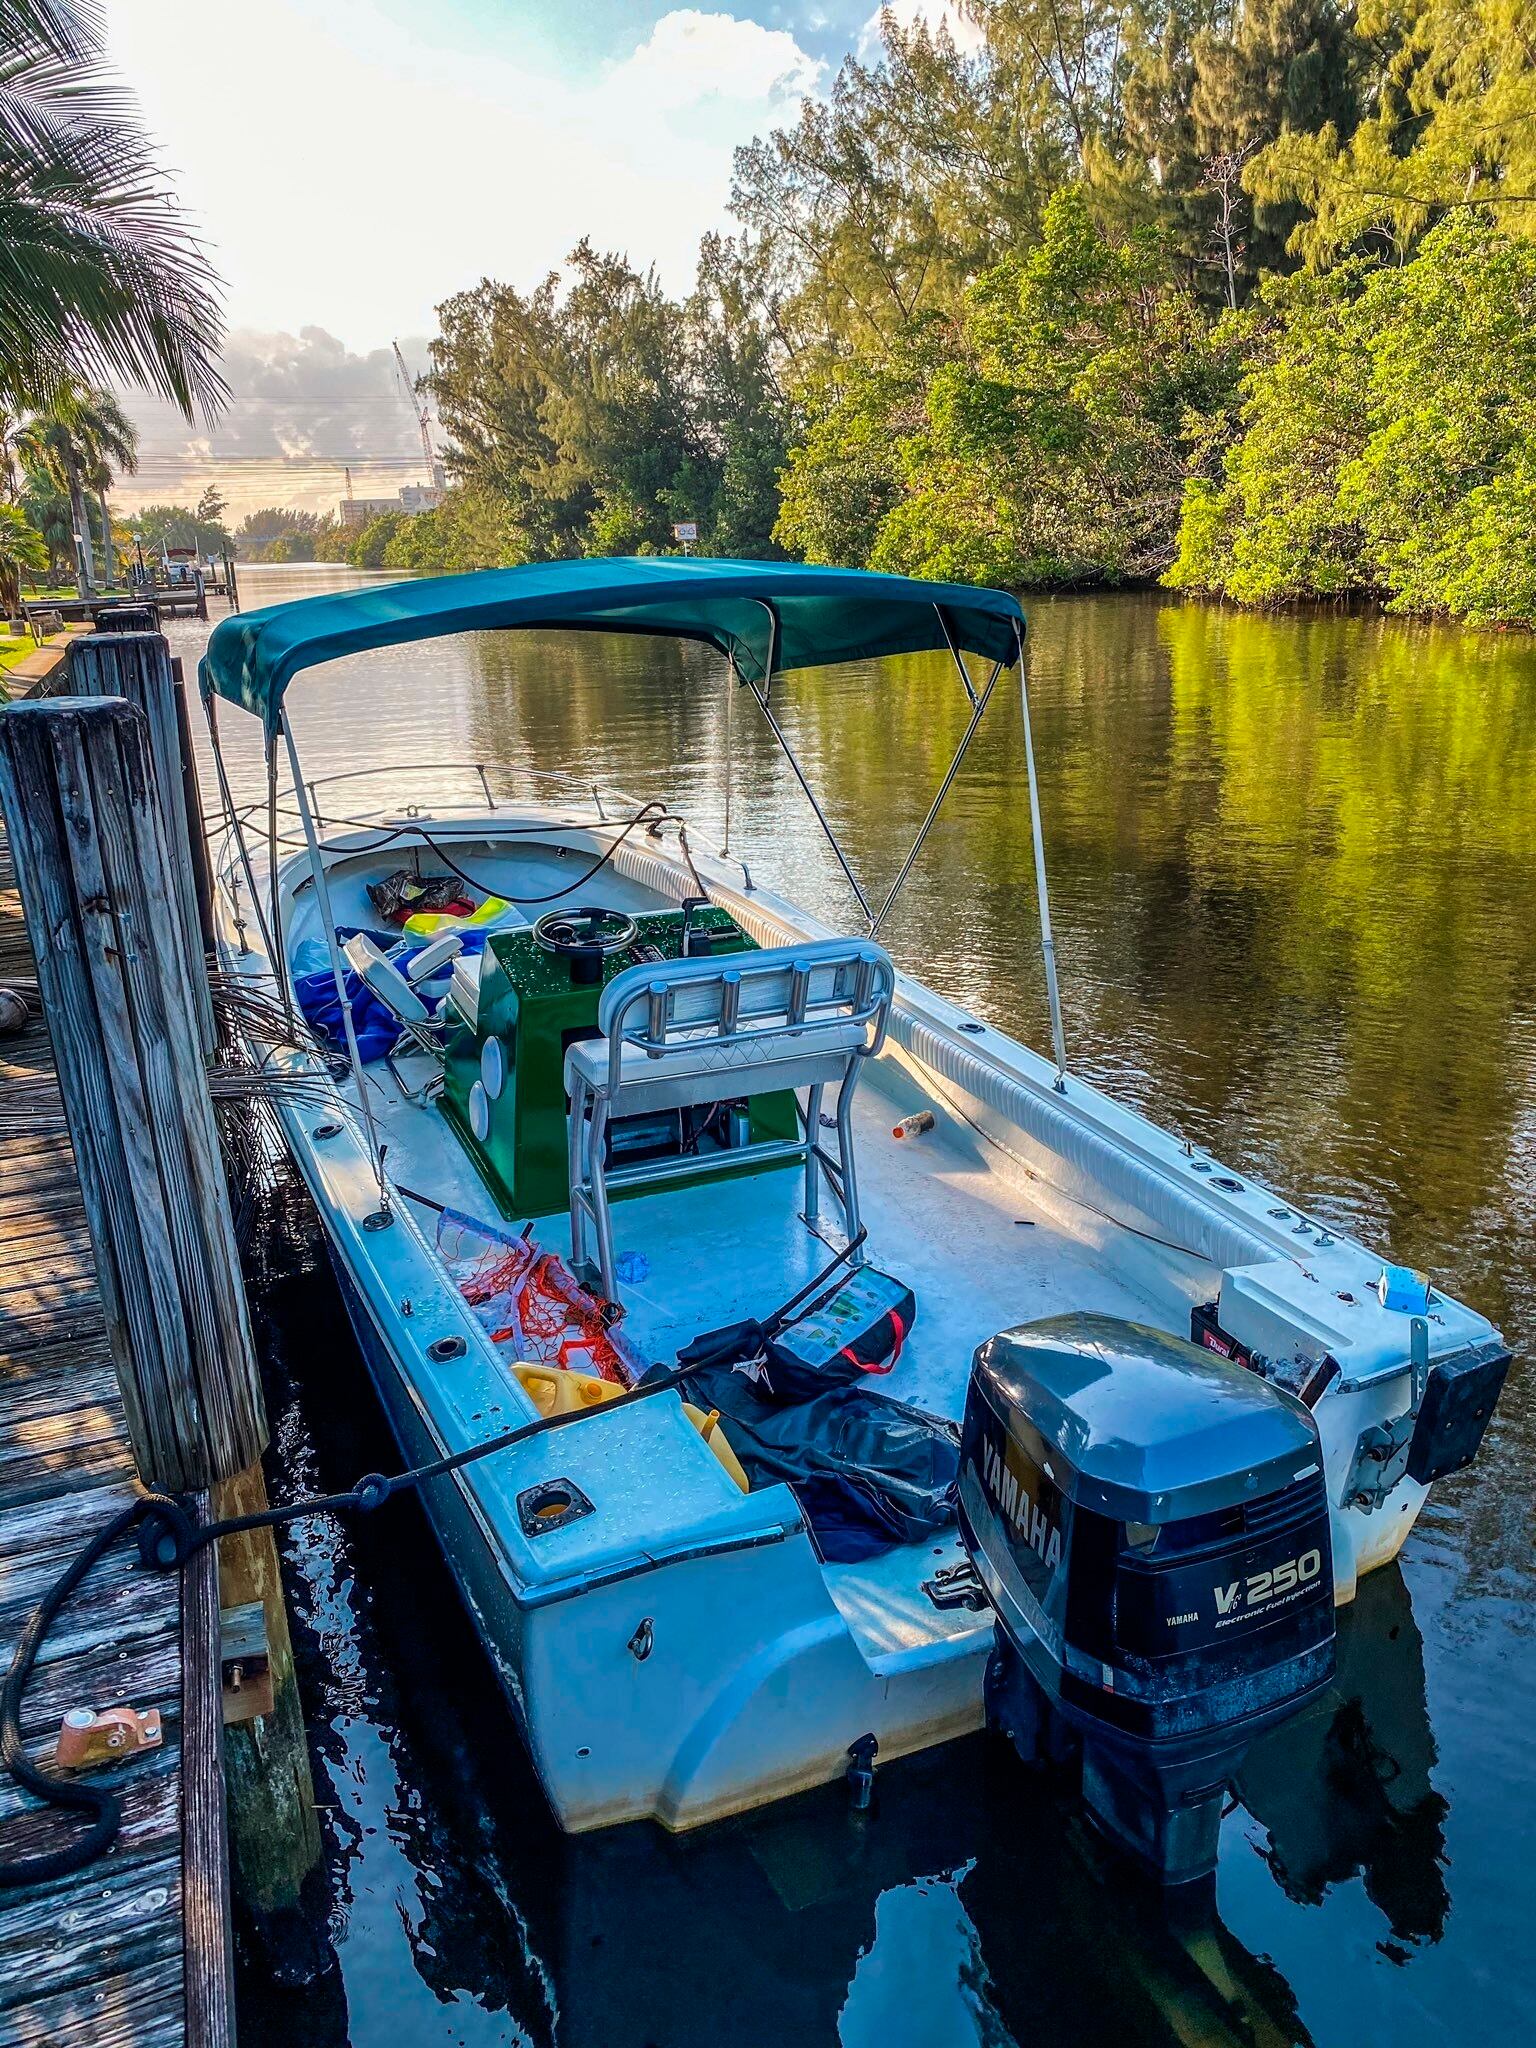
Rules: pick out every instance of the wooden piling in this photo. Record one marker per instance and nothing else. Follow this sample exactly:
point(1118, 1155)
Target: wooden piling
point(275, 1841)
point(138, 666)
point(136, 1948)
point(79, 793)
point(91, 862)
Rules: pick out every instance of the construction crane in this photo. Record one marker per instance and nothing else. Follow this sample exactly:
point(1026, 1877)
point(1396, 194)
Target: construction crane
point(420, 413)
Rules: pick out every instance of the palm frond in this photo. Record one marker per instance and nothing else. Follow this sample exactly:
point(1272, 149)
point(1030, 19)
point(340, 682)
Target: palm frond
point(101, 278)
point(69, 29)
point(42, 94)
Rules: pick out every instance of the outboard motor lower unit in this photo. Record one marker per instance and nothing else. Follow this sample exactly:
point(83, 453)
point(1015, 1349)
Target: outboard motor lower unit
point(1151, 1524)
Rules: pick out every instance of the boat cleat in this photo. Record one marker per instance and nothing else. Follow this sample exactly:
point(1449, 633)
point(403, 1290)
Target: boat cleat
point(87, 1738)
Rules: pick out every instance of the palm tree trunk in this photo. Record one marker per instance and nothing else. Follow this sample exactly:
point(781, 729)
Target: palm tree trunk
point(108, 563)
point(80, 519)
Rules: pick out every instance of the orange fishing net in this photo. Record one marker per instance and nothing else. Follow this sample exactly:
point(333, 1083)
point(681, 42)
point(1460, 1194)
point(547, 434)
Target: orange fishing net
point(529, 1300)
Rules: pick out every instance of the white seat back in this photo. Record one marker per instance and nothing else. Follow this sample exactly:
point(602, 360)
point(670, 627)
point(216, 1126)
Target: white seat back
point(772, 1001)
point(434, 958)
point(380, 974)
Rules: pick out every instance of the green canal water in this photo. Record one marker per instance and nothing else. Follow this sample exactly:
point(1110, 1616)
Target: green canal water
point(1293, 867)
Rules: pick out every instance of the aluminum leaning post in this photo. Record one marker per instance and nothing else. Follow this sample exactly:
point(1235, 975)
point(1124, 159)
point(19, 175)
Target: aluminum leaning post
point(681, 1033)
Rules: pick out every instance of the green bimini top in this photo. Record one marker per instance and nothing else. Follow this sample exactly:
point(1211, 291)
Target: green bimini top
point(758, 613)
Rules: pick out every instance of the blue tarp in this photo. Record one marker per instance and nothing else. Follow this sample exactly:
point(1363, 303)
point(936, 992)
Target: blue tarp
point(810, 617)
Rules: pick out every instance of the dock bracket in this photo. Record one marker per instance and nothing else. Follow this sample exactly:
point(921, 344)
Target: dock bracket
point(245, 1663)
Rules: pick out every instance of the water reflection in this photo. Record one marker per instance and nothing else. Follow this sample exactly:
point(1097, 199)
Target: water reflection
point(1292, 863)
point(1346, 1789)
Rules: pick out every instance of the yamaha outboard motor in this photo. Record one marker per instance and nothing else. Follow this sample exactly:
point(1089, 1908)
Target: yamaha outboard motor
point(1151, 1524)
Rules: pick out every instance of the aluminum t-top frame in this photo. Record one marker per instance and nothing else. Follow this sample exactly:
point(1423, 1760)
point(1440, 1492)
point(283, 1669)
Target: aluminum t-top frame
point(873, 919)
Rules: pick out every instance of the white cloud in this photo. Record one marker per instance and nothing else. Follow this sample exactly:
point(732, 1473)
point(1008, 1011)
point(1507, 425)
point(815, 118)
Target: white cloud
point(691, 56)
point(353, 175)
point(966, 34)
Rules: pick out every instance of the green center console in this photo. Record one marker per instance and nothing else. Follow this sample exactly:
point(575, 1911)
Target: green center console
point(504, 1075)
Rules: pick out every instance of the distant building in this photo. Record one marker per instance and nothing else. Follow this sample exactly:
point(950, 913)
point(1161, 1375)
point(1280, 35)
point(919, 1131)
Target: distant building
point(360, 512)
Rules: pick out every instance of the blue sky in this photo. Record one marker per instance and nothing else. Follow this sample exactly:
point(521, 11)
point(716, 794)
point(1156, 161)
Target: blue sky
point(353, 162)
point(574, 37)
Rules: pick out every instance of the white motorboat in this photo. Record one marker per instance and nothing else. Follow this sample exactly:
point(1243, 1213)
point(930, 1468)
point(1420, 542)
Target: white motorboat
point(602, 1095)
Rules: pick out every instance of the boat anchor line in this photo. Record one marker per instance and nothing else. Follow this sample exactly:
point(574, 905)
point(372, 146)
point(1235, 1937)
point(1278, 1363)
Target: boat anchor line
point(169, 1536)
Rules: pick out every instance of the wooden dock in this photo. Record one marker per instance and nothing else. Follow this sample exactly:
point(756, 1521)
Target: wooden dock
point(171, 600)
point(132, 1952)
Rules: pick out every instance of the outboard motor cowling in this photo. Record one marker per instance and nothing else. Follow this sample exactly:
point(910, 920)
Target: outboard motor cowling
point(1151, 1523)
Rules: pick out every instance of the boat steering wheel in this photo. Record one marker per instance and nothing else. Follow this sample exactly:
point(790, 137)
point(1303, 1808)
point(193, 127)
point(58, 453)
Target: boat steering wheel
point(581, 930)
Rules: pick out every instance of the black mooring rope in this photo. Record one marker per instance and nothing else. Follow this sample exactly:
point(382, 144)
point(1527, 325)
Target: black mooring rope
point(48, 1864)
point(170, 1535)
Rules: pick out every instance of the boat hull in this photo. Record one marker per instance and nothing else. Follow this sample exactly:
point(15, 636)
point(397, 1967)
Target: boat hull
point(751, 1687)
point(687, 1655)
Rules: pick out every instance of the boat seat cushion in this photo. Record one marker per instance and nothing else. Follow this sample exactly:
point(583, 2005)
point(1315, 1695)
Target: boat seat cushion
point(712, 1069)
point(464, 987)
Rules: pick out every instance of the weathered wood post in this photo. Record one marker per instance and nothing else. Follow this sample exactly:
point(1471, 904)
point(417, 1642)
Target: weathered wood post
point(192, 804)
point(126, 618)
point(138, 666)
point(96, 883)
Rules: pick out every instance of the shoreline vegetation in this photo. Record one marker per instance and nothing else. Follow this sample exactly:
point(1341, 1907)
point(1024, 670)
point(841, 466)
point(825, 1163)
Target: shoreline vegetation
point(1239, 299)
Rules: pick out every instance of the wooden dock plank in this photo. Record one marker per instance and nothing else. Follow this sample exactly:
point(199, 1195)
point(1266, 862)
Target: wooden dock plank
point(134, 1951)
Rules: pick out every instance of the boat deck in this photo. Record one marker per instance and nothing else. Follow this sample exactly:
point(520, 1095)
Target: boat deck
point(944, 1213)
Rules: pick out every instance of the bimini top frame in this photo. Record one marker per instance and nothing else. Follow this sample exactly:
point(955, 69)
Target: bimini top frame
point(767, 618)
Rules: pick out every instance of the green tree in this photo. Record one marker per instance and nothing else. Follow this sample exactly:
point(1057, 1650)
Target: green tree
point(625, 421)
point(178, 526)
point(46, 508)
point(467, 531)
point(600, 412)
point(1208, 86)
point(79, 441)
point(496, 365)
point(1386, 440)
point(367, 548)
point(847, 475)
point(277, 533)
point(747, 417)
point(101, 279)
point(1450, 123)
point(12, 428)
point(22, 553)
point(874, 208)
point(1042, 439)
